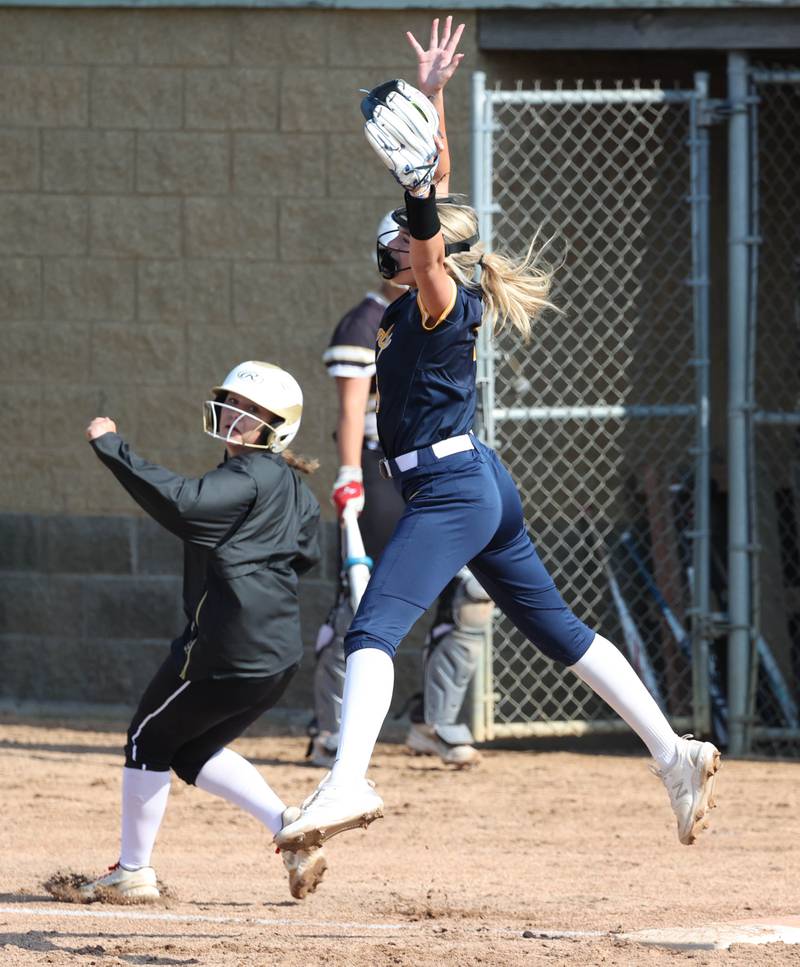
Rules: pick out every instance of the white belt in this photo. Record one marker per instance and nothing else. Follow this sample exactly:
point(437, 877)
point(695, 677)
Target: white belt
point(390, 467)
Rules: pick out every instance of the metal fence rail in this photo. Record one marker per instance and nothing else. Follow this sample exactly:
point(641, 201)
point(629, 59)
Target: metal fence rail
point(603, 419)
point(774, 402)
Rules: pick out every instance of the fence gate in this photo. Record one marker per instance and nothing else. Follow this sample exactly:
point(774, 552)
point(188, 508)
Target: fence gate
point(773, 398)
point(603, 418)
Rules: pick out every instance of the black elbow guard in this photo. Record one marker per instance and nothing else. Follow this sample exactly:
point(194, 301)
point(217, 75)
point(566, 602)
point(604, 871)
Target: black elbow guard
point(423, 218)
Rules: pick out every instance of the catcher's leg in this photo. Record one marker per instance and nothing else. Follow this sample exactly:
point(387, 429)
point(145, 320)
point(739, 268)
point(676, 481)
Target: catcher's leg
point(451, 657)
point(329, 684)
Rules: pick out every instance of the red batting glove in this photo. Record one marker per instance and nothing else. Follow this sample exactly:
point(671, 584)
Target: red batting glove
point(348, 489)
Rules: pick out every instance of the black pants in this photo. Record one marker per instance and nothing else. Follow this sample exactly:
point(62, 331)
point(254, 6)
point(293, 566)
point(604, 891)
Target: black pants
point(180, 725)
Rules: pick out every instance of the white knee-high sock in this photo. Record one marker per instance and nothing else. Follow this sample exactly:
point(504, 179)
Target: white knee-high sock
point(233, 778)
point(368, 686)
point(606, 671)
point(144, 799)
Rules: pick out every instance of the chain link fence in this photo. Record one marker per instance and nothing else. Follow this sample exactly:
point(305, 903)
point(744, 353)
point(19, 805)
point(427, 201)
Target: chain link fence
point(774, 393)
point(598, 418)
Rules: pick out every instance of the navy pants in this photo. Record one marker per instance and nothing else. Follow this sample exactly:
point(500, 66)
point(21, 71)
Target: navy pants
point(464, 509)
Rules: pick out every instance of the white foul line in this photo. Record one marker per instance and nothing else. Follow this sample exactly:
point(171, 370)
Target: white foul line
point(91, 914)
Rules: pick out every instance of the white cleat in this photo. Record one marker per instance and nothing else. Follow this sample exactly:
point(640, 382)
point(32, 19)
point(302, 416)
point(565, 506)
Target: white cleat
point(423, 740)
point(304, 866)
point(138, 884)
point(331, 809)
point(690, 783)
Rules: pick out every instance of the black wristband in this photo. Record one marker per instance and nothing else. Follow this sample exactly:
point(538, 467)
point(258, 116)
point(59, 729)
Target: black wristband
point(423, 218)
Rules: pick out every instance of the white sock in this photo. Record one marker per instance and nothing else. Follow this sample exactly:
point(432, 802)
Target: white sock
point(233, 778)
point(144, 799)
point(606, 671)
point(368, 686)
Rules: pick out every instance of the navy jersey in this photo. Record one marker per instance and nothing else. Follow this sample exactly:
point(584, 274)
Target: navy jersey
point(352, 349)
point(426, 372)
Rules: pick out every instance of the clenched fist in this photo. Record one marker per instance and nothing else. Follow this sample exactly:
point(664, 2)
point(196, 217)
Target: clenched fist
point(99, 426)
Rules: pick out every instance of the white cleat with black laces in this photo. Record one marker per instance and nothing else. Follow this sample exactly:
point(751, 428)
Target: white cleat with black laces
point(690, 783)
point(331, 809)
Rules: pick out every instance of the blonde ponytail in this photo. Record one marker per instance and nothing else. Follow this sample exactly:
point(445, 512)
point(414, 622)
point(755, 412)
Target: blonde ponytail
point(514, 291)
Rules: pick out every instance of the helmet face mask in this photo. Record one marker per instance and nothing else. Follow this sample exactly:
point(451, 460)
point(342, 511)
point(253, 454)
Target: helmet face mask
point(213, 413)
point(385, 251)
point(267, 386)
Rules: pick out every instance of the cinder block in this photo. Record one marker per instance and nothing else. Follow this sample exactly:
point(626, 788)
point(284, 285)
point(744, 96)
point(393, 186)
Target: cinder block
point(90, 37)
point(67, 410)
point(85, 289)
point(42, 225)
point(88, 161)
point(61, 669)
point(44, 97)
point(279, 293)
point(231, 228)
point(21, 33)
point(136, 97)
point(378, 37)
point(156, 550)
point(236, 99)
point(88, 545)
point(352, 162)
point(171, 406)
point(268, 37)
point(31, 465)
point(21, 406)
point(212, 353)
point(20, 542)
point(138, 227)
point(145, 355)
point(175, 163)
point(184, 291)
point(349, 281)
point(39, 604)
point(19, 160)
point(20, 289)
point(61, 351)
point(170, 37)
point(133, 607)
point(280, 165)
point(326, 100)
point(322, 230)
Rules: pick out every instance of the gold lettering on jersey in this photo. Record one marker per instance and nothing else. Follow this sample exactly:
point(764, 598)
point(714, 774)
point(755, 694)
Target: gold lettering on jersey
point(383, 339)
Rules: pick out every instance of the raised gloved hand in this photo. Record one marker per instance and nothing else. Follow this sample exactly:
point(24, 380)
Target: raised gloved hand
point(402, 126)
point(348, 488)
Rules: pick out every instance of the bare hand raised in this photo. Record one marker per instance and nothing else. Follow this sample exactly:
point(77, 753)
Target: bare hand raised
point(437, 64)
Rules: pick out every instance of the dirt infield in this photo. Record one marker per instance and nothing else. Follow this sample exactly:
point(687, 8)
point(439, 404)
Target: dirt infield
point(570, 848)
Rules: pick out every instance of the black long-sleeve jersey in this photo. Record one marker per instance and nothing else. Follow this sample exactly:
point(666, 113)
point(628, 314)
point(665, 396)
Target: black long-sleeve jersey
point(249, 528)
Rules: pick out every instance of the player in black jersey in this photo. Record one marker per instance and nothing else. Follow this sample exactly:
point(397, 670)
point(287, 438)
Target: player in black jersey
point(250, 528)
point(462, 506)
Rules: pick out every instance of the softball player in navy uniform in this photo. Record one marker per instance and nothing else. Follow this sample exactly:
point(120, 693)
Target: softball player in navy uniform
point(463, 612)
point(461, 504)
point(249, 527)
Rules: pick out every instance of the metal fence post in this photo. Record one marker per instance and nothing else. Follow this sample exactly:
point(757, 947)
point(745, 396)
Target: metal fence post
point(738, 416)
point(701, 537)
point(482, 684)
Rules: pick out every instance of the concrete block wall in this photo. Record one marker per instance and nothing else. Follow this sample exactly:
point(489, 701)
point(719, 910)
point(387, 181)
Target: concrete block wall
point(179, 190)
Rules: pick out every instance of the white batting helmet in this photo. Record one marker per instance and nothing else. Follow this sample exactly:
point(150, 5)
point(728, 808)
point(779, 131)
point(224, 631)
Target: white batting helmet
point(269, 387)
